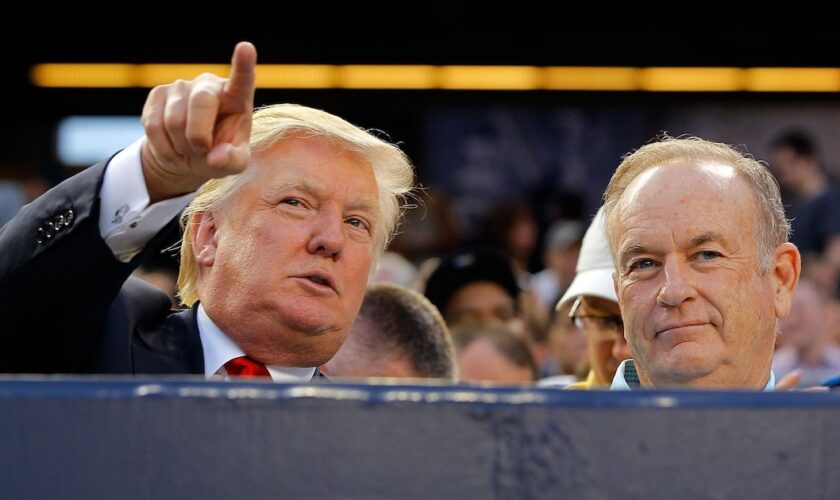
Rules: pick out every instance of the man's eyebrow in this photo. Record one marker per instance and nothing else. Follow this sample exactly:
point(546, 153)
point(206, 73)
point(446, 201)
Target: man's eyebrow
point(627, 252)
point(707, 238)
point(305, 185)
point(631, 250)
point(365, 204)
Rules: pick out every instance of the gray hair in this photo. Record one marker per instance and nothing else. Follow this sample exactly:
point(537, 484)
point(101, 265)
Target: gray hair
point(772, 227)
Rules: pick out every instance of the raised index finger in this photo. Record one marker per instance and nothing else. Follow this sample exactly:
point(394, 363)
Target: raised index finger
point(239, 89)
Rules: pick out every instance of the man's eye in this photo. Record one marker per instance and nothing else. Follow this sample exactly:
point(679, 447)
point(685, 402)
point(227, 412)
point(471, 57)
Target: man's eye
point(357, 222)
point(641, 264)
point(291, 201)
point(708, 255)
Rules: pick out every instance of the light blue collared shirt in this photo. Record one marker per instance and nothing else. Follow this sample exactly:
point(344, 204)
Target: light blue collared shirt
point(626, 378)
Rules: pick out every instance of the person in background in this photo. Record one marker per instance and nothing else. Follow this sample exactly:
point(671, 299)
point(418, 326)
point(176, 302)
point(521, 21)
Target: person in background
point(562, 248)
point(805, 338)
point(492, 353)
point(814, 207)
point(476, 285)
point(399, 334)
point(593, 308)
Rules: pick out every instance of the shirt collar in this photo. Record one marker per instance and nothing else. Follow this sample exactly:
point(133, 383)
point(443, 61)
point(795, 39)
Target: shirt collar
point(626, 378)
point(219, 349)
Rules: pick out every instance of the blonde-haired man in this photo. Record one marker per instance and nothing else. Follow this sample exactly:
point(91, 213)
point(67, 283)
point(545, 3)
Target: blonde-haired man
point(704, 270)
point(293, 206)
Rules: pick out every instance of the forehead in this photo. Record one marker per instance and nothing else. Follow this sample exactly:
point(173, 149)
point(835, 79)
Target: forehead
point(687, 200)
point(315, 162)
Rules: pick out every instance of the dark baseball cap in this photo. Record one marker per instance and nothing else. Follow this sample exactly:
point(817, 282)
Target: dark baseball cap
point(469, 265)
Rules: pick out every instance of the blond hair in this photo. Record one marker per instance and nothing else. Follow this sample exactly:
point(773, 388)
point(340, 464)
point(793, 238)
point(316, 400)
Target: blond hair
point(772, 227)
point(391, 168)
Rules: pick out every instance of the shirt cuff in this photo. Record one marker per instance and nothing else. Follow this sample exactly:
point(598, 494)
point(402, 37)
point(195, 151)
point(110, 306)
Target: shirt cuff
point(126, 220)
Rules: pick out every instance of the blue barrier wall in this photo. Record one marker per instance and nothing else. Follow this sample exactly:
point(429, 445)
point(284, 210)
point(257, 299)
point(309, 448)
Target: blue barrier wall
point(130, 438)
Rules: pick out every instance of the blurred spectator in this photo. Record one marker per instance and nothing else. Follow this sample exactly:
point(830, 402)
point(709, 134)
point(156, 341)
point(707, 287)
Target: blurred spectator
point(394, 268)
point(398, 333)
point(820, 273)
point(11, 199)
point(814, 204)
point(510, 226)
point(594, 308)
point(429, 230)
point(568, 361)
point(475, 285)
point(488, 353)
point(806, 344)
point(22, 187)
point(562, 247)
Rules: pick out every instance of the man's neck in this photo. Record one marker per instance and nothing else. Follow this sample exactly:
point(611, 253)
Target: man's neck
point(716, 381)
point(219, 349)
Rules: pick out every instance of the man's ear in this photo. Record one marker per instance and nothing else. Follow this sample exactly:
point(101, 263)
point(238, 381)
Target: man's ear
point(785, 273)
point(204, 239)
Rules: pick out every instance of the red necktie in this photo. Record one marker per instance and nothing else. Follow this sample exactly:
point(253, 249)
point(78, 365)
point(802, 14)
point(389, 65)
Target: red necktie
point(243, 366)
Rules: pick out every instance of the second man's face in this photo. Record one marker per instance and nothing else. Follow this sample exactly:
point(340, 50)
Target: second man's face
point(696, 310)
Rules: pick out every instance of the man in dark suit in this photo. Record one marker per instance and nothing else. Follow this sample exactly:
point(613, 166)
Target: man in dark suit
point(292, 207)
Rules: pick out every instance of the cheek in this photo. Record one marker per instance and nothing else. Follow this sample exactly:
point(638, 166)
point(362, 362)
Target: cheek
point(356, 279)
point(633, 303)
point(745, 305)
point(355, 297)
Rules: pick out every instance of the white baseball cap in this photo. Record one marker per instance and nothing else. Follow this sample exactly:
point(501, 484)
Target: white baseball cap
point(593, 274)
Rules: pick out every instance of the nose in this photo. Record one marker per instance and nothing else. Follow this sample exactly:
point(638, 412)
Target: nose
point(678, 287)
point(620, 350)
point(327, 235)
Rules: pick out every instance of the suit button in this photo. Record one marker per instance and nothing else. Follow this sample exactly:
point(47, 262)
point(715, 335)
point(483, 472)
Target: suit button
point(40, 237)
point(69, 217)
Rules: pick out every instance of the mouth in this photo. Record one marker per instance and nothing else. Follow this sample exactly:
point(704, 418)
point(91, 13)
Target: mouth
point(322, 280)
point(679, 326)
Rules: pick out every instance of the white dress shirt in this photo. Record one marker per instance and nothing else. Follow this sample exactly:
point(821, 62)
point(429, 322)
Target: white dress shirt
point(219, 349)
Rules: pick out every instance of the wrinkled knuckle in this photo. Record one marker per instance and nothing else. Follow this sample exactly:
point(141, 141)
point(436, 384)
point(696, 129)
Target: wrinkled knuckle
point(152, 125)
point(175, 121)
point(203, 96)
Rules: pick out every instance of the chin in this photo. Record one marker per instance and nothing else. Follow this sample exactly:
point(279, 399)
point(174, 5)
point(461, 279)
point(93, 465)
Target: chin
point(310, 319)
point(686, 371)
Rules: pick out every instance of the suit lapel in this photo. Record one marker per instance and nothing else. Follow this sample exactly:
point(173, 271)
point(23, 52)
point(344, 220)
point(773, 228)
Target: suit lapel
point(173, 347)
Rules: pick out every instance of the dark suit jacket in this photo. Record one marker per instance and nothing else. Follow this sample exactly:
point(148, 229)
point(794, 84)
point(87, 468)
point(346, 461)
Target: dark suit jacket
point(67, 305)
